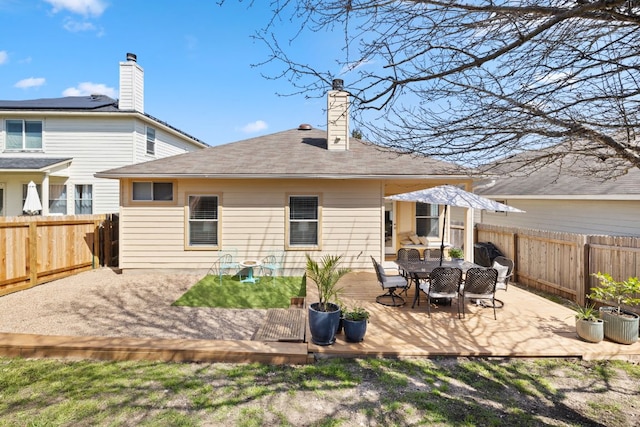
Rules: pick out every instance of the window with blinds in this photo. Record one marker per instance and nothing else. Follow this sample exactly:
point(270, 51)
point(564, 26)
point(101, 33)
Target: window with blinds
point(303, 220)
point(427, 220)
point(203, 221)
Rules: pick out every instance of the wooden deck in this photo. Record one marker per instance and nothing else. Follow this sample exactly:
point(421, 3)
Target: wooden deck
point(527, 326)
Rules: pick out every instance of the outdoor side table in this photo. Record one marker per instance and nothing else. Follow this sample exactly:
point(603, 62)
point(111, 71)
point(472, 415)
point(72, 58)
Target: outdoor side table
point(250, 264)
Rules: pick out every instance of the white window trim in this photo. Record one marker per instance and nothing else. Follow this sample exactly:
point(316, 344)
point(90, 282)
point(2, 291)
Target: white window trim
point(187, 227)
point(287, 243)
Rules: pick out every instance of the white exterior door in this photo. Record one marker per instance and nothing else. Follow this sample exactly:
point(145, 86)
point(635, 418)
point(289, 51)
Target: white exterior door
point(389, 228)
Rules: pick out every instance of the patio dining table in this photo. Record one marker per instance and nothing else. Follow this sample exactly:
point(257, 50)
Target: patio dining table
point(421, 270)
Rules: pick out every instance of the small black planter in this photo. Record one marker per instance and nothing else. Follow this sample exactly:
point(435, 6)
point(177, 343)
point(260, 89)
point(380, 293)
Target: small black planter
point(323, 324)
point(354, 330)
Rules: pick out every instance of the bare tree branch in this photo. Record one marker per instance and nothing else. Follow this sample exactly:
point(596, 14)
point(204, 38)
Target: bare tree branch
point(480, 81)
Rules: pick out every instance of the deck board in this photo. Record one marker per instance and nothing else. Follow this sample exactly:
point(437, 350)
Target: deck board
point(282, 324)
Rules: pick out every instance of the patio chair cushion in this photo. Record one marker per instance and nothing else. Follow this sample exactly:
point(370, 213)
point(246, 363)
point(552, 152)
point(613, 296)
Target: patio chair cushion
point(503, 271)
point(414, 239)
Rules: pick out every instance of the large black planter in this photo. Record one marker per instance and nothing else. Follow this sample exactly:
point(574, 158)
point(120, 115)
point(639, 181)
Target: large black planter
point(354, 330)
point(621, 329)
point(323, 324)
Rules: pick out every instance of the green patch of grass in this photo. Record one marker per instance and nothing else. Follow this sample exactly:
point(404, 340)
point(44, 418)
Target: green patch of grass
point(232, 293)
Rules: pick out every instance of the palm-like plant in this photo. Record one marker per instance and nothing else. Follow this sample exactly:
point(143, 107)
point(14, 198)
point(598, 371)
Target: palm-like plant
point(326, 275)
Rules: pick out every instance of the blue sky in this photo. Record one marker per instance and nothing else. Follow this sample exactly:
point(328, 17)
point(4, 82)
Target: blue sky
point(197, 58)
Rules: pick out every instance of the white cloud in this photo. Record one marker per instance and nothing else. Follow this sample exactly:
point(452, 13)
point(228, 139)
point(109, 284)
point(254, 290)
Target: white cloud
point(4, 56)
point(80, 7)
point(89, 88)
point(254, 127)
point(74, 26)
point(30, 82)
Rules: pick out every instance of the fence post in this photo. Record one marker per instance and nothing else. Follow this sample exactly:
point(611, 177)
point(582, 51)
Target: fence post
point(33, 254)
point(584, 268)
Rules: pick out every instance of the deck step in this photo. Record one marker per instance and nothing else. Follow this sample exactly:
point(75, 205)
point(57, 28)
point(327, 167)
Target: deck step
point(282, 324)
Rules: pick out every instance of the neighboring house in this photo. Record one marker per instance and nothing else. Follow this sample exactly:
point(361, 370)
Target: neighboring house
point(566, 199)
point(302, 190)
point(61, 143)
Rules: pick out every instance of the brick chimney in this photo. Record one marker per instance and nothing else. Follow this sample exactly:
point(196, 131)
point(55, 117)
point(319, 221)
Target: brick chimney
point(131, 85)
point(337, 117)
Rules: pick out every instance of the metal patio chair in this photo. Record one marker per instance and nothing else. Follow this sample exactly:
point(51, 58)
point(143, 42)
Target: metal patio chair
point(479, 284)
point(390, 284)
point(444, 283)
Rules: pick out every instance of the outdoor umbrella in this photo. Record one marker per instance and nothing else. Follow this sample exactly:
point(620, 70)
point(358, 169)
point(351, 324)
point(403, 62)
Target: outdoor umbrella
point(32, 203)
point(449, 195)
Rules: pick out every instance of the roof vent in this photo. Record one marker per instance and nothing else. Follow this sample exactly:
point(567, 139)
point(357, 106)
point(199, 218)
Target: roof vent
point(337, 84)
point(132, 57)
point(304, 126)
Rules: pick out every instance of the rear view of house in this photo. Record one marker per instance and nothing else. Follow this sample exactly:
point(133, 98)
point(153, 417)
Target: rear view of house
point(60, 143)
point(303, 190)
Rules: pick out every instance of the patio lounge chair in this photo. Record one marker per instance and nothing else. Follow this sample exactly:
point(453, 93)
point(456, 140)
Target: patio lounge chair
point(390, 284)
point(479, 284)
point(444, 283)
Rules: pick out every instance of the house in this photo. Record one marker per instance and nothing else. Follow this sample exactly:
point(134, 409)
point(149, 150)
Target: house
point(564, 196)
point(61, 143)
point(302, 190)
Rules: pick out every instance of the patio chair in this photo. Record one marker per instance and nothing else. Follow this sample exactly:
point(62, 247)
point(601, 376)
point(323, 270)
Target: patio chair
point(225, 263)
point(504, 266)
point(410, 255)
point(444, 283)
point(391, 284)
point(432, 254)
point(479, 284)
point(272, 264)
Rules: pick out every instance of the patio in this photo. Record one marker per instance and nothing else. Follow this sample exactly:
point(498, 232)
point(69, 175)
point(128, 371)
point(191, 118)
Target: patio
point(528, 326)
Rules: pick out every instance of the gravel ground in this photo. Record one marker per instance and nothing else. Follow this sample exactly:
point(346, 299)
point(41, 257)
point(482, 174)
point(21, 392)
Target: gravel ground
point(105, 303)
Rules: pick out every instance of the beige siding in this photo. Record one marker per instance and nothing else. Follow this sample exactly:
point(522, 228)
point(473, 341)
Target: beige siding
point(609, 217)
point(167, 144)
point(253, 221)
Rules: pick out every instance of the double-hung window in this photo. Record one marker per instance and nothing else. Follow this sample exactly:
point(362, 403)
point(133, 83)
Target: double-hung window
point(304, 224)
point(24, 135)
point(84, 199)
point(427, 220)
point(203, 221)
point(58, 199)
point(152, 191)
point(151, 141)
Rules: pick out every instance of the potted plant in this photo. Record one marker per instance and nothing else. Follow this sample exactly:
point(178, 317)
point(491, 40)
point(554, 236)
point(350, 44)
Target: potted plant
point(355, 323)
point(456, 254)
point(589, 326)
point(324, 315)
point(619, 325)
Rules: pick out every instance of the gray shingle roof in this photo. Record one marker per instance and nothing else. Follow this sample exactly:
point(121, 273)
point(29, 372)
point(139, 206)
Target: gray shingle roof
point(572, 175)
point(292, 153)
point(25, 163)
point(93, 103)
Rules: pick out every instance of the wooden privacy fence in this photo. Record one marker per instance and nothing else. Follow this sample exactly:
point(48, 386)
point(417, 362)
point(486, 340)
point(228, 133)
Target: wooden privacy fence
point(39, 249)
point(563, 263)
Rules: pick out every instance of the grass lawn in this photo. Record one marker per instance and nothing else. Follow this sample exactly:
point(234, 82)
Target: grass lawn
point(329, 393)
point(232, 293)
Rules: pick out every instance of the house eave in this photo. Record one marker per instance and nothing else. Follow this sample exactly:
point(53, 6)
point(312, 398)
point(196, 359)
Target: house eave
point(631, 197)
point(283, 176)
